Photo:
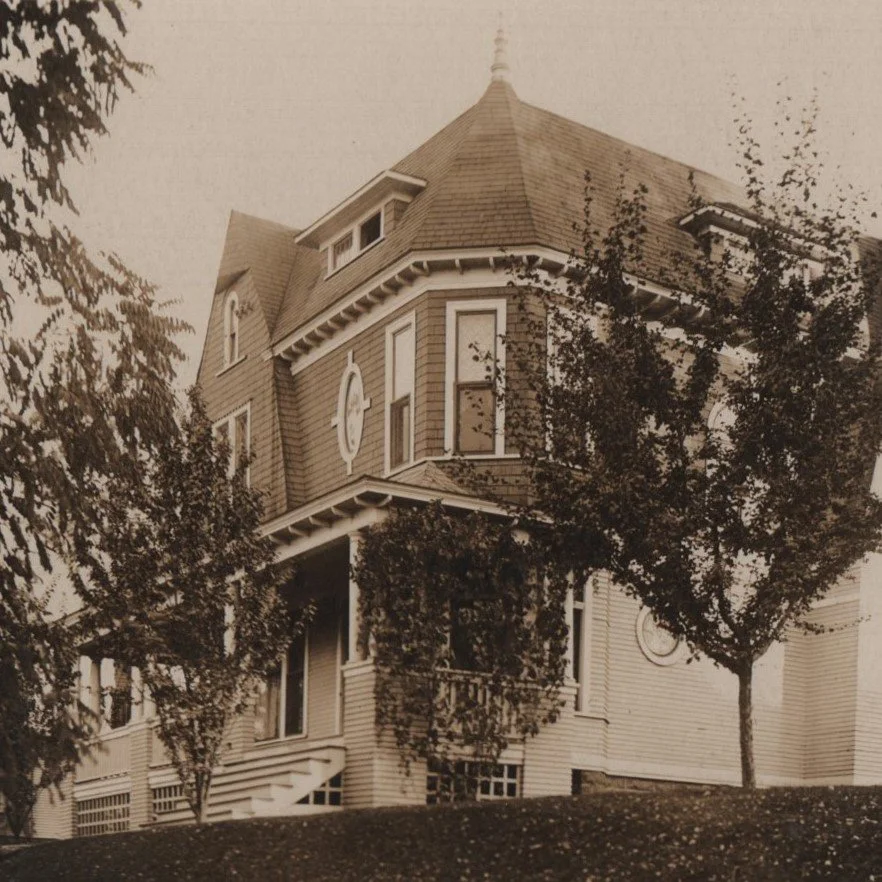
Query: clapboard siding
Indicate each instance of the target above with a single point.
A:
(250, 381)
(322, 664)
(53, 816)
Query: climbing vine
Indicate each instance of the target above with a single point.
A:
(467, 626)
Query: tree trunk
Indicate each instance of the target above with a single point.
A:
(745, 726)
(201, 785)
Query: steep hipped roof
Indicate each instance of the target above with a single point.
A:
(265, 248)
(504, 173)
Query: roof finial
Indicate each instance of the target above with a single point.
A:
(500, 70)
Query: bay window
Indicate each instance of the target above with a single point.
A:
(475, 349)
(400, 360)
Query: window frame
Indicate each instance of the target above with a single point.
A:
(580, 653)
(280, 734)
(232, 330)
(392, 330)
(229, 421)
(451, 386)
(355, 230)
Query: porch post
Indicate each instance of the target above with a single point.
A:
(106, 678)
(571, 646)
(354, 617)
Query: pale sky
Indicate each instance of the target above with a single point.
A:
(282, 108)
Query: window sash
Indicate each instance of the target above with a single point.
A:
(475, 430)
(400, 432)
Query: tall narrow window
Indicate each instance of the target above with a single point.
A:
(235, 430)
(295, 686)
(475, 351)
(120, 697)
(281, 701)
(400, 391)
(474, 397)
(342, 251)
(231, 330)
(578, 650)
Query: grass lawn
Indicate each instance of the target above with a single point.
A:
(714, 834)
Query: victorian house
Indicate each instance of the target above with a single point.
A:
(339, 354)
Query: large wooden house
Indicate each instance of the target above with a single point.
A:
(338, 354)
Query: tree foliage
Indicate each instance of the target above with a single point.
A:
(187, 593)
(467, 629)
(716, 458)
(86, 360)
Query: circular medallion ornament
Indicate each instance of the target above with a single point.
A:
(659, 645)
(349, 419)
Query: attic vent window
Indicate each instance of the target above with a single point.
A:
(342, 252)
(356, 240)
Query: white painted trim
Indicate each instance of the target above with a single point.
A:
(351, 373)
(230, 366)
(329, 534)
(389, 175)
(677, 654)
(353, 599)
(445, 280)
(454, 308)
(355, 230)
(392, 329)
(231, 317)
(230, 420)
(379, 486)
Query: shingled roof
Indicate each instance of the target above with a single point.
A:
(503, 174)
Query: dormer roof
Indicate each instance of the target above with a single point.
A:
(374, 193)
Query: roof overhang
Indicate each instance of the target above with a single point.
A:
(344, 506)
(384, 185)
(429, 270)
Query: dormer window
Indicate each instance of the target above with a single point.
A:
(231, 330)
(356, 240)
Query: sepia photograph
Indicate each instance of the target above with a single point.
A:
(440, 441)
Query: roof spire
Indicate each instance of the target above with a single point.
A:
(500, 70)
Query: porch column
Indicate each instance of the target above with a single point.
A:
(137, 696)
(107, 684)
(93, 685)
(571, 644)
(354, 616)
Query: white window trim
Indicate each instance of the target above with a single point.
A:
(283, 699)
(586, 603)
(231, 311)
(230, 421)
(355, 230)
(392, 329)
(283, 694)
(454, 307)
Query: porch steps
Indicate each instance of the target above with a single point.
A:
(267, 783)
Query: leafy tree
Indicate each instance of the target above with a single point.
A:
(715, 460)
(467, 630)
(188, 593)
(86, 361)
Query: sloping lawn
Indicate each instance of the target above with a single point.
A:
(782, 834)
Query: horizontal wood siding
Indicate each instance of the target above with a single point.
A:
(831, 691)
(321, 719)
(359, 729)
(108, 757)
(548, 769)
(251, 381)
(140, 808)
(53, 816)
(868, 734)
